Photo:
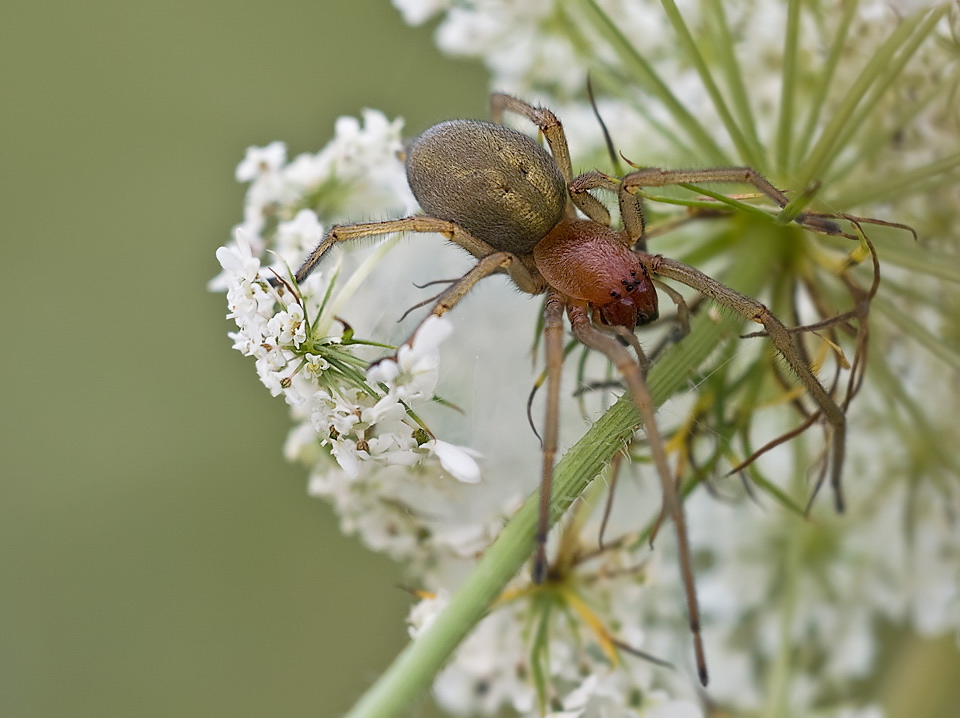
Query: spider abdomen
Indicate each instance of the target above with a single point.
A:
(496, 183)
(587, 261)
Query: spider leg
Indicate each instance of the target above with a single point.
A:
(419, 223)
(656, 177)
(450, 296)
(783, 340)
(631, 206)
(683, 311)
(553, 352)
(586, 202)
(615, 463)
(633, 376)
(544, 119)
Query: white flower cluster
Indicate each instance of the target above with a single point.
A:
(287, 202)
(355, 426)
(588, 669)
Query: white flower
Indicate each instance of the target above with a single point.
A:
(413, 375)
(457, 460)
(239, 259)
(425, 612)
(261, 161)
(288, 326)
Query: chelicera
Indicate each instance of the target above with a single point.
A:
(513, 205)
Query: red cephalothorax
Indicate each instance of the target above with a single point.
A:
(588, 261)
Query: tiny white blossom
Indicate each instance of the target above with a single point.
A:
(239, 259)
(425, 612)
(288, 326)
(413, 375)
(457, 460)
(261, 160)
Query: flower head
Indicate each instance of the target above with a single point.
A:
(848, 107)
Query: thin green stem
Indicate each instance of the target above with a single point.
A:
(646, 77)
(922, 261)
(787, 88)
(824, 82)
(723, 45)
(876, 70)
(692, 50)
(913, 329)
(891, 72)
(355, 282)
(915, 181)
(782, 668)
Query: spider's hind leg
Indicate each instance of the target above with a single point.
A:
(785, 344)
(553, 352)
(632, 375)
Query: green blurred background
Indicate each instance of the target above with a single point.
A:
(158, 557)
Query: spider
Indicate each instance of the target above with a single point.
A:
(505, 199)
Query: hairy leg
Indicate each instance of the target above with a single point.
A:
(544, 119)
(783, 340)
(631, 206)
(633, 376)
(553, 352)
(656, 177)
(419, 223)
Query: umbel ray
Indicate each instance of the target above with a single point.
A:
(517, 208)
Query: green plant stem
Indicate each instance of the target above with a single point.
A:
(646, 77)
(787, 121)
(779, 683)
(879, 72)
(723, 44)
(691, 48)
(416, 666)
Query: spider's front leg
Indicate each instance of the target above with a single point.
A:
(459, 288)
(419, 223)
(450, 296)
(656, 177)
(784, 342)
(489, 261)
(631, 207)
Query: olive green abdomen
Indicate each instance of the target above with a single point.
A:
(496, 183)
